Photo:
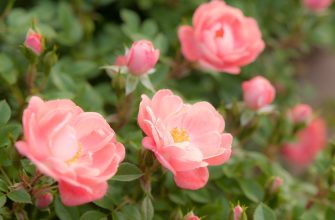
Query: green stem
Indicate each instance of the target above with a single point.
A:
(7, 9)
(6, 176)
(31, 76)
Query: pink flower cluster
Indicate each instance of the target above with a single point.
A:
(309, 141)
(317, 5)
(184, 138)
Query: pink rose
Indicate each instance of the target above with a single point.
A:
(140, 59)
(317, 5)
(258, 92)
(301, 113)
(221, 39)
(309, 142)
(191, 216)
(77, 149)
(34, 42)
(184, 138)
(238, 211)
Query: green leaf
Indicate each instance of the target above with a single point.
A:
(4, 112)
(131, 20)
(20, 196)
(71, 29)
(252, 190)
(65, 213)
(147, 209)
(3, 200)
(7, 71)
(9, 131)
(131, 83)
(127, 172)
(149, 28)
(3, 186)
(330, 214)
(263, 212)
(93, 215)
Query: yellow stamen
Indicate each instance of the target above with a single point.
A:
(76, 156)
(179, 135)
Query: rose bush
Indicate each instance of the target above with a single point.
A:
(155, 131)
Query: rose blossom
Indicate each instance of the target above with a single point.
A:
(317, 5)
(140, 58)
(77, 149)
(238, 211)
(184, 138)
(301, 113)
(258, 92)
(34, 42)
(309, 142)
(221, 39)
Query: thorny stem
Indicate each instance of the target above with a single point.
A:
(31, 76)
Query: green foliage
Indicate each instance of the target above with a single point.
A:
(80, 37)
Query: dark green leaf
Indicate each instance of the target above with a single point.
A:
(252, 190)
(147, 209)
(93, 215)
(4, 112)
(65, 213)
(20, 196)
(127, 172)
(3, 200)
(263, 212)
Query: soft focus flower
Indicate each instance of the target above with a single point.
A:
(34, 41)
(258, 92)
(191, 216)
(221, 39)
(43, 199)
(238, 211)
(276, 183)
(77, 149)
(309, 142)
(184, 138)
(140, 59)
(301, 113)
(317, 5)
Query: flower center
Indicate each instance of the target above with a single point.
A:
(179, 135)
(76, 156)
(219, 33)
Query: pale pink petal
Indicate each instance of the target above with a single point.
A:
(194, 179)
(75, 195)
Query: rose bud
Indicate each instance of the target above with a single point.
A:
(191, 216)
(43, 199)
(301, 113)
(258, 92)
(34, 41)
(276, 183)
(140, 59)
